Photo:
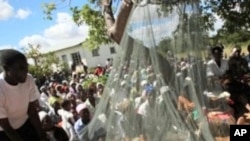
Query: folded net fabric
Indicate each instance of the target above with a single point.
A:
(155, 91)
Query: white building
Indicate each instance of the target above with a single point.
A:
(77, 53)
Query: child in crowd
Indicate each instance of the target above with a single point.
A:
(54, 132)
(68, 120)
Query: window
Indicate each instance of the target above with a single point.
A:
(112, 50)
(76, 58)
(95, 52)
(64, 59)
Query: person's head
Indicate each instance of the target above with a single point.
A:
(72, 84)
(248, 48)
(217, 53)
(46, 121)
(59, 88)
(43, 89)
(66, 105)
(237, 51)
(100, 87)
(71, 97)
(56, 105)
(83, 112)
(65, 83)
(150, 93)
(79, 88)
(15, 65)
(53, 91)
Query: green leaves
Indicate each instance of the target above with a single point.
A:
(48, 8)
(43, 62)
(101, 79)
(89, 14)
(93, 18)
(234, 12)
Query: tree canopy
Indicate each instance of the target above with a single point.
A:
(42, 62)
(99, 16)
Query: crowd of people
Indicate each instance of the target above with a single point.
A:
(227, 90)
(66, 108)
(66, 104)
(55, 111)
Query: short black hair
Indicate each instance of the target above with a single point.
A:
(65, 103)
(248, 47)
(216, 49)
(9, 56)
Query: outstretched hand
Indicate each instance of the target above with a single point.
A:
(127, 2)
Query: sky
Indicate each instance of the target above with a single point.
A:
(148, 27)
(22, 22)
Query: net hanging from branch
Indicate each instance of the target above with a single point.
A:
(157, 90)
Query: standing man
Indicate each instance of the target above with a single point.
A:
(19, 120)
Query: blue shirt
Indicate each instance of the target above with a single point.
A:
(78, 126)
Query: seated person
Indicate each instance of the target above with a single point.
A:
(216, 67)
(234, 81)
(84, 118)
(67, 119)
(54, 96)
(238, 66)
(99, 71)
(53, 132)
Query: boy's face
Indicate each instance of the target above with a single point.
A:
(85, 115)
(18, 71)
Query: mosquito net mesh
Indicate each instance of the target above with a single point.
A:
(158, 88)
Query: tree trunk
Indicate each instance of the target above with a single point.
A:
(115, 28)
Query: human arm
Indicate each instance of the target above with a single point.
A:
(9, 131)
(35, 121)
(33, 110)
(71, 121)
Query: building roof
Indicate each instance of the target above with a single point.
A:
(68, 47)
(61, 46)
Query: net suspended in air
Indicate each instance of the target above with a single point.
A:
(158, 90)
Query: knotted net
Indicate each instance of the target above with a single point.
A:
(158, 90)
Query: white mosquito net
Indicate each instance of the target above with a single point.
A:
(157, 90)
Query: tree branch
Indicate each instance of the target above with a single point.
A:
(115, 28)
(108, 13)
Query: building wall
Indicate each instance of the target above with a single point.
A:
(86, 54)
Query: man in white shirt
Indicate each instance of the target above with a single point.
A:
(19, 96)
(216, 67)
